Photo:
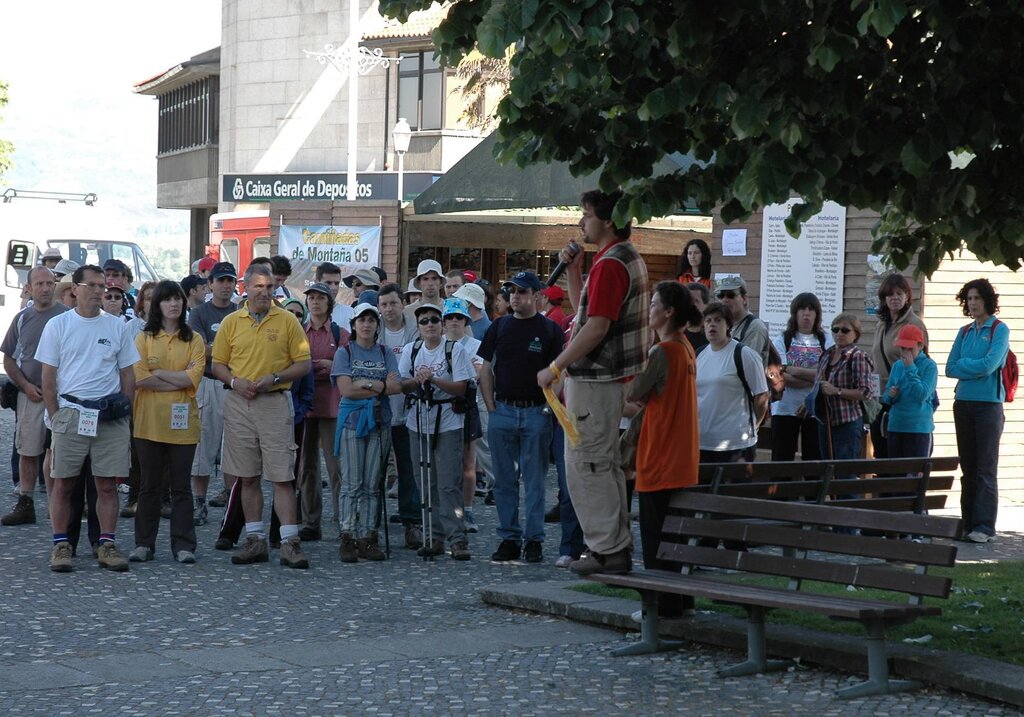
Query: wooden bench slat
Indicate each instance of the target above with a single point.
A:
(677, 528)
(879, 576)
(910, 523)
(769, 597)
(794, 470)
(808, 489)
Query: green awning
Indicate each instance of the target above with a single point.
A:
(478, 183)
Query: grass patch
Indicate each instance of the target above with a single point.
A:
(983, 616)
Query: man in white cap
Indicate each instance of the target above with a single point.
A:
(429, 278)
(473, 294)
(50, 257)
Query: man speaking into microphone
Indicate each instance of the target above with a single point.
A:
(608, 346)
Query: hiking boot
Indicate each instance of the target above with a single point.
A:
(291, 554)
(201, 515)
(24, 512)
(185, 557)
(470, 522)
(128, 511)
(349, 551)
(110, 558)
(254, 551)
(223, 544)
(554, 515)
(435, 546)
(489, 498)
(533, 553)
(369, 548)
(60, 558)
(219, 500)
(413, 536)
(307, 534)
(141, 554)
(618, 563)
(507, 550)
(460, 550)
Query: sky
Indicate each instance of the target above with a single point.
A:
(72, 116)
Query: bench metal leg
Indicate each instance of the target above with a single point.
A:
(757, 660)
(649, 640)
(878, 682)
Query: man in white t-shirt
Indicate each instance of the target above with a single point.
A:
(87, 359)
(435, 429)
(396, 335)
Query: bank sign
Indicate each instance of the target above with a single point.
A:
(321, 187)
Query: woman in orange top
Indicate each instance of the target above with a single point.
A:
(668, 449)
(694, 265)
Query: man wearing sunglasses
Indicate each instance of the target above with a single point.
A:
(746, 328)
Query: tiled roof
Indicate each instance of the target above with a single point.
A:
(420, 24)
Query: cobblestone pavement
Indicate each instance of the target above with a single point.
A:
(400, 637)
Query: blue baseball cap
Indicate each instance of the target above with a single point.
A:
(525, 280)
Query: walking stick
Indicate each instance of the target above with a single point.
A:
(383, 492)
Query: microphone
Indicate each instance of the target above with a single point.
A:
(560, 268)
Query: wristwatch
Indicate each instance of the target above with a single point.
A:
(277, 378)
(368, 385)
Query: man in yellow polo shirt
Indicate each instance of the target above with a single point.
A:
(259, 350)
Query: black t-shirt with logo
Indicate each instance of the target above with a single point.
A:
(518, 349)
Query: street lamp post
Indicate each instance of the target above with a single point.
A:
(401, 134)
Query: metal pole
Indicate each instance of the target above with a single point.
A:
(352, 188)
(401, 177)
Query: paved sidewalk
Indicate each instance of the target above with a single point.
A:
(402, 637)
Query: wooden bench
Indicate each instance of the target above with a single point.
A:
(792, 539)
(894, 484)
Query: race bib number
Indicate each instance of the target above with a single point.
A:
(179, 416)
(876, 385)
(88, 421)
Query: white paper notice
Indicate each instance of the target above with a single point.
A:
(815, 262)
(734, 242)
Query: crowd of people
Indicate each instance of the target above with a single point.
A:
(443, 391)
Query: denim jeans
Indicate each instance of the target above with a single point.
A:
(979, 427)
(519, 437)
(572, 534)
(409, 507)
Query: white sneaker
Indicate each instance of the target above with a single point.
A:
(185, 556)
(563, 561)
(976, 536)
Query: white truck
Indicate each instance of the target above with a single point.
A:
(33, 221)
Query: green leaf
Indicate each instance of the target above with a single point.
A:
(887, 15)
(912, 161)
(791, 136)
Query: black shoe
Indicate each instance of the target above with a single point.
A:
(165, 510)
(489, 498)
(218, 501)
(507, 550)
(554, 515)
(533, 552)
(307, 534)
(223, 544)
(395, 518)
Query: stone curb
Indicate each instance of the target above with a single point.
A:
(973, 675)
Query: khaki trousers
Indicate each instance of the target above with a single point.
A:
(596, 482)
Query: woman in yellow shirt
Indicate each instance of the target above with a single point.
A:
(166, 416)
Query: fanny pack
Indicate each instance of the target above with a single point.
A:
(112, 408)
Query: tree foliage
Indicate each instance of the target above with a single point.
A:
(6, 148)
(859, 101)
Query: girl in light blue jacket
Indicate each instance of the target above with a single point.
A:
(909, 392)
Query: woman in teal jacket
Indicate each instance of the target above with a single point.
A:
(976, 359)
(909, 394)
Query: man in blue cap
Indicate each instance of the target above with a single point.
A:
(514, 349)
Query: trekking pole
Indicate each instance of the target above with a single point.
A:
(425, 500)
(383, 493)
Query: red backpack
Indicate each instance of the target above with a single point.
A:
(1009, 373)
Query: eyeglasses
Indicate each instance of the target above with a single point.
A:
(96, 286)
(429, 320)
(726, 294)
(841, 330)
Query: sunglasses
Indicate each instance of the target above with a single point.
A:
(517, 290)
(112, 297)
(842, 330)
(726, 294)
(429, 320)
